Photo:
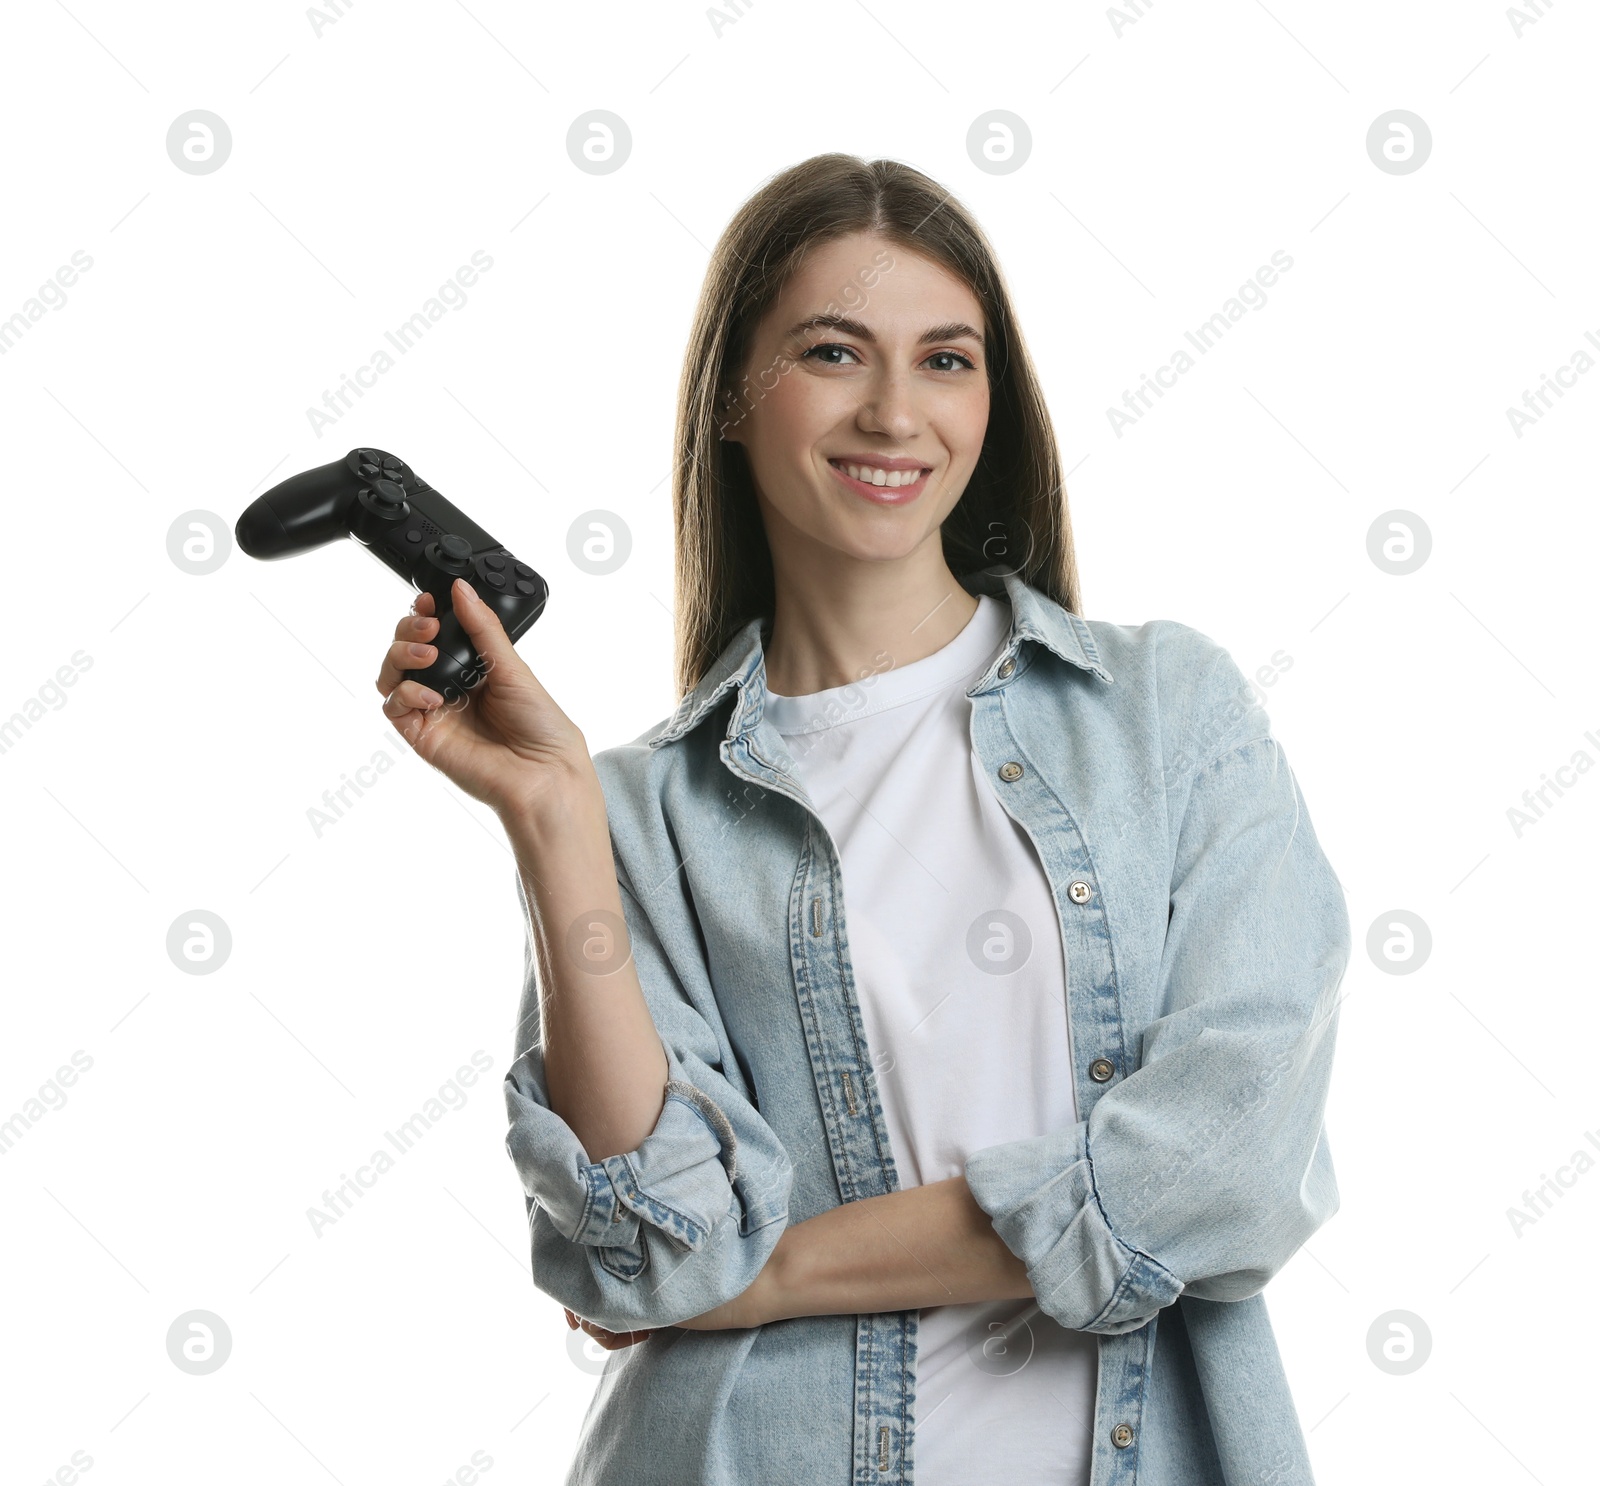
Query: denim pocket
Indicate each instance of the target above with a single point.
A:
(625, 1261)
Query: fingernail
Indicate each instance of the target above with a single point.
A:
(466, 590)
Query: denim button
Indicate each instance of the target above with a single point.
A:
(1006, 668)
(1101, 1069)
(1079, 891)
(1011, 772)
(1122, 1436)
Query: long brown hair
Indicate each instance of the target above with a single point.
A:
(1014, 508)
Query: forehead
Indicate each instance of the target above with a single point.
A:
(881, 283)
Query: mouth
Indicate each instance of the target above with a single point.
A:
(883, 487)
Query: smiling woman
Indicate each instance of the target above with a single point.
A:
(862, 449)
(986, 1185)
(803, 317)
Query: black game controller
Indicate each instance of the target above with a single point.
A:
(413, 530)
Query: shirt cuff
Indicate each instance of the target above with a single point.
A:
(677, 1180)
(1040, 1195)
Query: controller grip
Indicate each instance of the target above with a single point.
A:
(457, 668)
(305, 511)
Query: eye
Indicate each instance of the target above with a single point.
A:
(954, 356)
(827, 346)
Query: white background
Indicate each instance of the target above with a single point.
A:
(1171, 156)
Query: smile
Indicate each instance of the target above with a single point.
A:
(886, 487)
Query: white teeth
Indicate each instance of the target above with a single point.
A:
(871, 475)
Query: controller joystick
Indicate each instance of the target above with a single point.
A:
(414, 531)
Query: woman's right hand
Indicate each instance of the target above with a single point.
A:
(505, 742)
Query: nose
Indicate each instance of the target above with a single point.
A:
(890, 407)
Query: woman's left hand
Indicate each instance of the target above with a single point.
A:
(612, 1341)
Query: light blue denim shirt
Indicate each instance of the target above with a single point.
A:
(1206, 939)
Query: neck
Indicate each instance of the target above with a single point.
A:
(837, 619)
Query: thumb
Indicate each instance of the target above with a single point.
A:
(482, 624)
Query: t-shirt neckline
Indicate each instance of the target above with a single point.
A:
(964, 658)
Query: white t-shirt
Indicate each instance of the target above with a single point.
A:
(961, 976)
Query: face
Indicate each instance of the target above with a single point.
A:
(864, 402)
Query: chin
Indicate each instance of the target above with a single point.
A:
(877, 547)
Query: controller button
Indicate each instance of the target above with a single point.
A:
(526, 585)
(457, 549)
(369, 469)
(369, 455)
(413, 535)
(523, 570)
(386, 493)
(494, 562)
(495, 580)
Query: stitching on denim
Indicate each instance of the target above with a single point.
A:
(806, 990)
(1137, 1254)
(1086, 640)
(586, 1175)
(904, 1323)
(1105, 916)
(1133, 1279)
(1226, 743)
(630, 1177)
(690, 712)
(624, 1271)
(857, 1028)
(704, 1106)
(1116, 1296)
(1192, 723)
(1149, 1367)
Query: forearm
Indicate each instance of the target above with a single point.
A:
(605, 1070)
(923, 1246)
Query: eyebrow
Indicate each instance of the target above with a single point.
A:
(954, 330)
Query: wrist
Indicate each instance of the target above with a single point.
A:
(553, 797)
(781, 1281)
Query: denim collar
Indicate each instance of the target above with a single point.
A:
(742, 664)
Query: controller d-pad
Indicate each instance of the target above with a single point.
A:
(374, 462)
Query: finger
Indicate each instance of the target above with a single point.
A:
(612, 1341)
(482, 625)
(410, 696)
(572, 1320)
(417, 626)
(422, 603)
(403, 656)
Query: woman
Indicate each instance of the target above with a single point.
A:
(987, 1188)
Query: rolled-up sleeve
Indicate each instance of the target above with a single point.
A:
(1206, 1168)
(675, 1227)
